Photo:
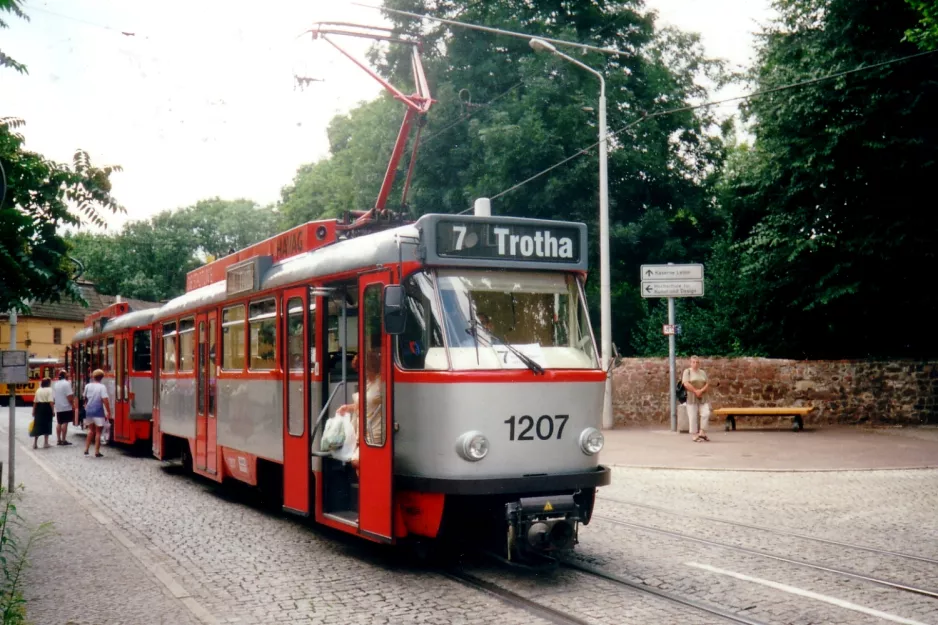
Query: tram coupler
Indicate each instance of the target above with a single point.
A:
(542, 524)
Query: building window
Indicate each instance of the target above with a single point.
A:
(262, 324)
(232, 338)
(57, 336)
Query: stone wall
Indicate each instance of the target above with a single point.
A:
(844, 392)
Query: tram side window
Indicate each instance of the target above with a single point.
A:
(422, 330)
(186, 343)
(109, 359)
(232, 339)
(142, 350)
(169, 347)
(262, 326)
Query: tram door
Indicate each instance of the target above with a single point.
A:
(121, 388)
(156, 356)
(374, 409)
(205, 412)
(299, 368)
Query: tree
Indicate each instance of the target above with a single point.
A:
(505, 114)
(33, 256)
(11, 6)
(925, 34)
(834, 247)
(149, 259)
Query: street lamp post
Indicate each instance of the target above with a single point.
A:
(605, 301)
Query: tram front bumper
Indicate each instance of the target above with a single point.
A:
(543, 524)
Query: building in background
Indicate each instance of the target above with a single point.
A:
(50, 326)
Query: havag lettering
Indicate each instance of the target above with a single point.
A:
(542, 244)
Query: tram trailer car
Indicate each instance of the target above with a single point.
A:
(482, 396)
(38, 369)
(117, 340)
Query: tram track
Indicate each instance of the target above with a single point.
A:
(559, 617)
(933, 594)
(772, 530)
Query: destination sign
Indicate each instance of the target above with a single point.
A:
(501, 242)
(508, 241)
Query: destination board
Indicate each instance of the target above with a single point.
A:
(504, 241)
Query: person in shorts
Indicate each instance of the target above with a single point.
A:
(64, 407)
(97, 411)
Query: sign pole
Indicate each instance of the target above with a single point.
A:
(11, 445)
(671, 367)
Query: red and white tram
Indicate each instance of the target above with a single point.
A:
(483, 388)
(117, 340)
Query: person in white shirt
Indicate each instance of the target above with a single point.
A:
(64, 407)
(97, 411)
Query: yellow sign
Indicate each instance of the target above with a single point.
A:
(548, 507)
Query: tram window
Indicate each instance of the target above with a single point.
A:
(142, 350)
(232, 341)
(262, 326)
(422, 330)
(371, 363)
(186, 343)
(169, 347)
(294, 378)
(109, 362)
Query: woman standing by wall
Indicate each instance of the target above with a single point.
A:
(697, 383)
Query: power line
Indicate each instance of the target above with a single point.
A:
(693, 107)
(497, 31)
(479, 107)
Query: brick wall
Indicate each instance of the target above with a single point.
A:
(844, 392)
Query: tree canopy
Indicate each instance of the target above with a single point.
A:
(505, 113)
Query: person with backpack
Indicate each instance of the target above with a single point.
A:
(696, 383)
(97, 411)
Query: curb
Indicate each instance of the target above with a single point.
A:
(750, 470)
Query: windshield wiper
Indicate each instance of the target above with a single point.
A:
(529, 362)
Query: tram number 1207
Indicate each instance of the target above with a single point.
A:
(544, 428)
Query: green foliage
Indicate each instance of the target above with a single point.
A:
(33, 256)
(16, 541)
(11, 6)
(925, 34)
(505, 113)
(149, 259)
(833, 249)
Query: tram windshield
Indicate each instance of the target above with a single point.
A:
(505, 320)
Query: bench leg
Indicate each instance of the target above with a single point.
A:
(797, 424)
(730, 423)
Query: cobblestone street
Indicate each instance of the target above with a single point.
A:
(159, 547)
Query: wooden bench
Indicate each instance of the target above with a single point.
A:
(796, 412)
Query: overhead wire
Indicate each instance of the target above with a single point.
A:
(479, 107)
(692, 107)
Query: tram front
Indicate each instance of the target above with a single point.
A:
(498, 388)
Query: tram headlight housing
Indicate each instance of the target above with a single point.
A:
(591, 441)
(472, 446)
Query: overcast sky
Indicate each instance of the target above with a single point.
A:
(197, 98)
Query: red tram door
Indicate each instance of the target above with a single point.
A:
(121, 425)
(156, 351)
(298, 324)
(206, 424)
(374, 410)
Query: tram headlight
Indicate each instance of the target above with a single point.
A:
(472, 446)
(591, 441)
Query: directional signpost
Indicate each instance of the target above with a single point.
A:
(672, 281)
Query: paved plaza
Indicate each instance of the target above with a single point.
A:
(136, 542)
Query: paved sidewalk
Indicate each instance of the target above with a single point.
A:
(83, 573)
(829, 449)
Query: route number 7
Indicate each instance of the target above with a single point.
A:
(461, 235)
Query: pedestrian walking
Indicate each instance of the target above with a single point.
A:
(97, 411)
(43, 412)
(64, 407)
(697, 383)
